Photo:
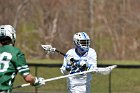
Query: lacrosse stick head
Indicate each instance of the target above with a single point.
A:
(109, 69)
(48, 49)
(113, 66)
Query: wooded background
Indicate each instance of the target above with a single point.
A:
(113, 26)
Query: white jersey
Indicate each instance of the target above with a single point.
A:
(81, 81)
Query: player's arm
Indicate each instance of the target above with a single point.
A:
(65, 67)
(24, 71)
(35, 81)
(92, 60)
(67, 63)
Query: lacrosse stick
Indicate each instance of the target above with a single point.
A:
(49, 49)
(96, 70)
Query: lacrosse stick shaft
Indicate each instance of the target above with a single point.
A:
(60, 52)
(97, 70)
(55, 78)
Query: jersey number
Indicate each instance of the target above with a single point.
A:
(4, 61)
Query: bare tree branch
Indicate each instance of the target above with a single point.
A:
(19, 10)
(91, 15)
(54, 27)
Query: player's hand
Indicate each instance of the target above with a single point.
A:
(39, 81)
(68, 68)
(81, 64)
(69, 59)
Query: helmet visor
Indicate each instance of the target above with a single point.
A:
(85, 43)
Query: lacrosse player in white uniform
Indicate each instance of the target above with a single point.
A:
(78, 59)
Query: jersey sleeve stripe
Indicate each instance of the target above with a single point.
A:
(21, 70)
(22, 67)
(24, 74)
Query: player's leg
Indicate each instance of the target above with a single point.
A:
(88, 87)
(77, 89)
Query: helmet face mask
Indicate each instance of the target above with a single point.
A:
(81, 41)
(8, 31)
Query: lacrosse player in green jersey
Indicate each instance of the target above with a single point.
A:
(12, 61)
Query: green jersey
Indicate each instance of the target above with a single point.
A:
(12, 60)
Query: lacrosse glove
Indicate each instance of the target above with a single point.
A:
(39, 81)
(68, 67)
(83, 65)
(69, 59)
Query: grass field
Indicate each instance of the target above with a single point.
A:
(122, 80)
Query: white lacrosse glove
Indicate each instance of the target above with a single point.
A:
(39, 81)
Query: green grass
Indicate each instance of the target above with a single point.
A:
(123, 80)
(123, 62)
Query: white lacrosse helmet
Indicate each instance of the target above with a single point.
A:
(81, 41)
(8, 30)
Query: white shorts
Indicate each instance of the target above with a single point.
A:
(79, 89)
